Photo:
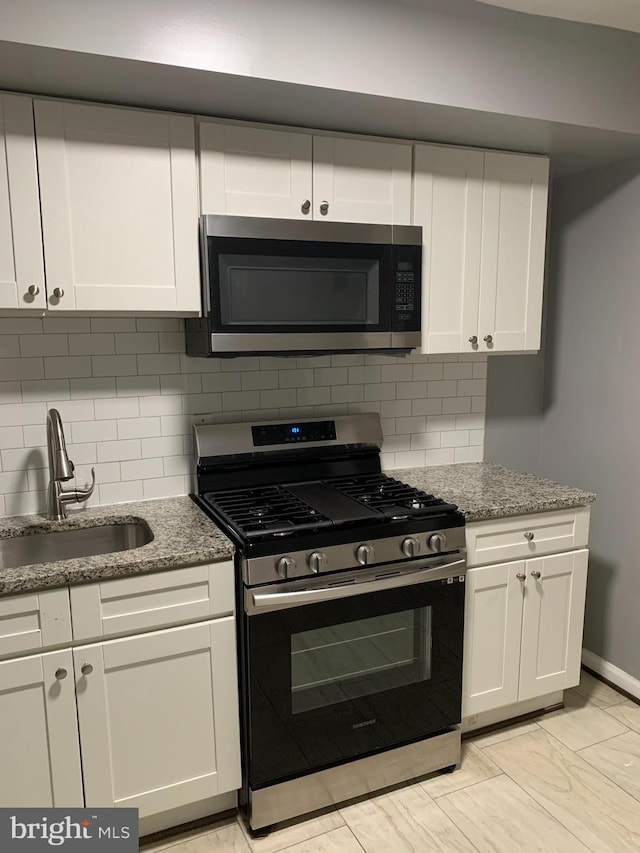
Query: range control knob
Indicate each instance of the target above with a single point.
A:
(410, 547)
(284, 566)
(317, 562)
(438, 542)
(364, 554)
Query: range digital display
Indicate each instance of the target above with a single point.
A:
(293, 433)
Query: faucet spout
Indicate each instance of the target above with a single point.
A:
(61, 469)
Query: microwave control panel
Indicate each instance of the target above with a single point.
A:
(405, 293)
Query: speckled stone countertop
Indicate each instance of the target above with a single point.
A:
(182, 536)
(483, 490)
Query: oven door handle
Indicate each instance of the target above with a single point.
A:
(265, 602)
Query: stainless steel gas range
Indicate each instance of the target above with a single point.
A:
(350, 593)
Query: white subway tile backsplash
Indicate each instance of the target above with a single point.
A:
(67, 367)
(11, 437)
(21, 368)
(10, 392)
(34, 345)
(128, 396)
(137, 342)
(18, 414)
(116, 407)
(92, 344)
(140, 469)
(92, 388)
(112, 451)
(139, 428)
(9, 346)
(45, 390)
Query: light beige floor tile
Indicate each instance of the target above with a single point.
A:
(628, 713)
(597, 691)
(619, 760)
(404, 821)
(337, 841)
(499, 817)
(294, 832)
(580, 724)
(594, 809)
(231, 839)
(475, 767)
(505, 733)
(187, 835)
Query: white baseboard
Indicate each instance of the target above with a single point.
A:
(612, 673)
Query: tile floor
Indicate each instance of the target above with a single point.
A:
(564, 783)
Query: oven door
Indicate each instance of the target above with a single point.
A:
(338, 672)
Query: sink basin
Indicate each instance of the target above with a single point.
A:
(71, 544)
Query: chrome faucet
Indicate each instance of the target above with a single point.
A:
(60, 470)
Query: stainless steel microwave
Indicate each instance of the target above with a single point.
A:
(290, 286)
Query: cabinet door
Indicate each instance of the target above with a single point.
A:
(39, 754)
(119, 208)
(158, 717)
(513, 246)
(493, 623)
(447, 203)
(21, 266)
(361, 181)
(254, 171)
(552, 623)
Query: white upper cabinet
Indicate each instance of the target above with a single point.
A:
(254, 171)
(360, 180)
(513, 246)
(448, 205)
(483, 216)
(119, 208)
(21, 267)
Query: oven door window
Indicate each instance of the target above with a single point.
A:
(292, 286)
(333, 681)
(354, 659)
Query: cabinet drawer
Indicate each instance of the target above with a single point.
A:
(115, 607)
(36, 620)
(506, 539)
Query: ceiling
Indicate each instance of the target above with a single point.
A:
(621, 14)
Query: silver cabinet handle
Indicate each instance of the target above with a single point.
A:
(528, 536)
(324, 207)
(58, 292)
(86, 669)
(488, 339)
(535, 575)
(473, 340)
(306, 206)
(521, 577)
(33, 290)
(61, 673)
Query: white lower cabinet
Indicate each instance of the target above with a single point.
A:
(158, 717)
(149, 720)
(523, 630)
(39, 751)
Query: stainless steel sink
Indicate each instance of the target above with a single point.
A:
(54, 545)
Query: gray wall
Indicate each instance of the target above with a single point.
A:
(454, 52)
(590, 434)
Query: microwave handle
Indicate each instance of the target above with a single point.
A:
(259, 602)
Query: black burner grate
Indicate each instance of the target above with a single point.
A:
(390, 497)
(265, 510)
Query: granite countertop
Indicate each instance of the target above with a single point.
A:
(483, 490)
(183, 536)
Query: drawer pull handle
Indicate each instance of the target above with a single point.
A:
(324, 207)
(521, 576)
(473, 340)
(86, 669)
(528, 536)
(535, 575)
(61, 673)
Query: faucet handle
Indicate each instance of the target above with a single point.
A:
(81, 495)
